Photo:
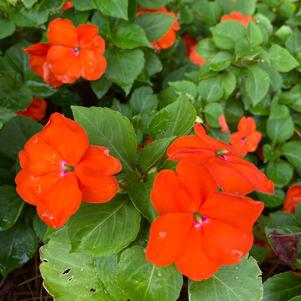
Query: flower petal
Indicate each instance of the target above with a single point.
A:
(194, 262)
(246, 125)
(64, 64)
(86, 34)
(253, 141)
(168, 235)
(60, 202)
(62, 32)
(67, 137)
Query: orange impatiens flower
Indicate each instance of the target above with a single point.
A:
(237, 16)
(67, 5)
(191, 51)
(230, 172)
(72, 52)
(293, 198)
(169, 38)
(36, 109)
(60, 169)
(246, 139)
(198, 228)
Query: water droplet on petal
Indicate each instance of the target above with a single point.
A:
(162, 234)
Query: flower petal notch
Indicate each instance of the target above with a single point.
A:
(60, 169)
(198, 228)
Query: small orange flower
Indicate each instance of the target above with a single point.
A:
(191, 51)
(237, 16)
(169, 38)
(198, 228)
(37, 60)
(36, 110)
(293, 198)
(230, 172)
(246, 139)
(67, 5)
(223, 124)
(60, 169)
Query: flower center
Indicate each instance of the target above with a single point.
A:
(199, 219)
(76, 51)
(243, 140)
(222, 154)
(65, 168)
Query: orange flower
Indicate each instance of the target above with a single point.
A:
(67, 5)
(36, 110)
(293, 198)
(246, 139)
(237, 16)
(198, 228)
(75, 51)
(37, 60)
(223, 124)
(169, 38)
(230, 172)
(60, 169)
(191, 51)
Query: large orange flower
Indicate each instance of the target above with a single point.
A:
(237, 16)
(36, 109)
(246, 139)
(191, 52)
(198, 228)
(293, 198)
(169, 38)
(75, 51)
(38, 63)
(60, 169)
(230, 172)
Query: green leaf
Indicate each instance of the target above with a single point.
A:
(208, 12)
(257, 84)
(153, 153)
(254, 35)
(175, 119)
(83, 5)
(220, 61)
(226, 34)
(274, 200)
(282, 287)
(143, 99)
(240, 282)
(17, 246)
(212, 112)
(155, 25)
(211, 89)
(10, 207)
(101, 87)
(143, 281)
(293, 43)
(39, 89)
(109, 128)
(280, 172)
(130, 36)
(7, 28)
(104, 229)
(139, 192)
(246, 7)
(33, 17)
(297, 298)
(29, 3)
(291, 151)
(229, 82)
(281, 59)
(292, 98)
(113, 8)
(152, 4)
(124, 66)
(15, 134)
(70, 275)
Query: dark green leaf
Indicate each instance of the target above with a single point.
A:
(113, 8)
(7, 28)
(143, 99)
(292, 150)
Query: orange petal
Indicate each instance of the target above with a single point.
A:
(253, 141)
(62, 32)
(41, 158)
(97, 188)
(60, 202)
(32, 188)
(93, 65)
(98, 160)
(246, 125)
(224, 243)
(67, 137)
(64, 64)
(239, 211)
(293, 198)
(168, 235)
(49, 78)
(194, 262)
(86, 34)
(166, 41)
(36, 109)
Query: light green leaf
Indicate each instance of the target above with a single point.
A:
(212, 113)
(151, 4)
(113, 8)
(280, 172)
(240, 282)
(211, 89)
(109, 128)
(291, 151)
(7, 28)
(143, 99)
(143, 281)
(104, 229)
